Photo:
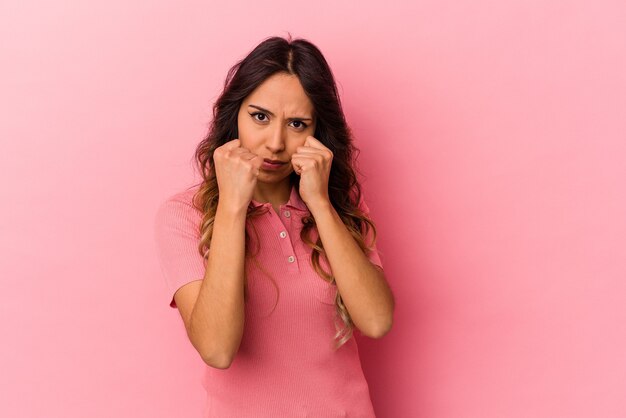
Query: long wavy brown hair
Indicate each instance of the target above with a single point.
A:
(301, 58)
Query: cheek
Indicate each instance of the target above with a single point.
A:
(300, 140)
(244, 124)
(293, 148)
(246, 134)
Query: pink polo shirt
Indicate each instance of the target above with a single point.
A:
(285, 366)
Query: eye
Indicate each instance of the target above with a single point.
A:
(262, 115)
(299, 124)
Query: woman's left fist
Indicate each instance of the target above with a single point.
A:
(312, 163)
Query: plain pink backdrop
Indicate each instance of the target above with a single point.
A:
(493, 144)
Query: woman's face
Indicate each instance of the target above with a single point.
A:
(274, 120)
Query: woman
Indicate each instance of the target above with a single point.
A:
(271, 259)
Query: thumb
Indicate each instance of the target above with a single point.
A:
(234, 143)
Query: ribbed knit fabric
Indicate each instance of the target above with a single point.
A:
(286, 365)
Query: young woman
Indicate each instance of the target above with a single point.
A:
(271, 259)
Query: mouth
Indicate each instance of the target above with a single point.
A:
(276, 162)
(273, 165)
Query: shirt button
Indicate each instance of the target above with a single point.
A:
(283, 234)
(291, 259)
(287, 214)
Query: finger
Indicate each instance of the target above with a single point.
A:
(238, 152)
(255, 160)
(299, 163)
(233, 144)
(246, 155)
(313, 142)
(296, 168)
(304, 158)
(308, 150)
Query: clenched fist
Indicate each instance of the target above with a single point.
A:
(237, 170)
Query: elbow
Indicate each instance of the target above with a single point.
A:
(382, 331)
(379, 327)
(211, 352)
(213, 355)
(217, 361)
(379, 330)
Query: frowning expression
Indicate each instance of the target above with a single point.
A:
(274, 120)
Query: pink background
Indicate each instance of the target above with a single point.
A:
(493, 139)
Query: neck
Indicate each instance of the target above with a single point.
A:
(276, 194)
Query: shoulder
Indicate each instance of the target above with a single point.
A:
(181, 198)
(178, 206)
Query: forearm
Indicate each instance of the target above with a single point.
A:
(217, 319)
(362, 285)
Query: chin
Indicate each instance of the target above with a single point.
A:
(269, 178)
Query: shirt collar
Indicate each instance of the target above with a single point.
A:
(294, 202)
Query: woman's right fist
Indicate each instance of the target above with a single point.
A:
(236, 169)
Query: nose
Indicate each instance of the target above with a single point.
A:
(276, 139)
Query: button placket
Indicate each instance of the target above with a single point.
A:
(284, 240)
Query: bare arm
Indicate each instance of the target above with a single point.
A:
(213, 309)
(362, 284)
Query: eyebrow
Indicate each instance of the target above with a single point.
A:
(272, 114)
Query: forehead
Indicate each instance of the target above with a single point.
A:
(281, 93)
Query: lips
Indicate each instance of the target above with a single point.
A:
(267, 160)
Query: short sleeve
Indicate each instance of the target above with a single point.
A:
(176, 232)
(373, 255)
